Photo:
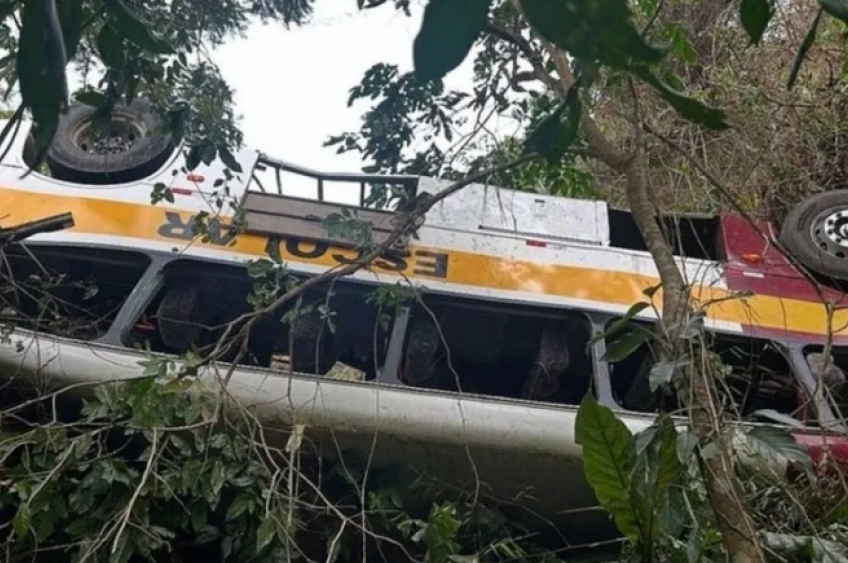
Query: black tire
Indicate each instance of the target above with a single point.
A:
(71, 156)
(816, 233)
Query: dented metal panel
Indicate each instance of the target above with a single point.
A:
(484, 208)
(284, 216)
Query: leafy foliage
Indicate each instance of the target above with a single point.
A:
(448, 32)
(151, 471)
(140, 48)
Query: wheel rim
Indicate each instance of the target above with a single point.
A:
(120, 136)
(830, 232)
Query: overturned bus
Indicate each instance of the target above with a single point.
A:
(476, 377)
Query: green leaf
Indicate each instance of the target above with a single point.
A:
(686, 444)
(111, 47)
(755, 16)
(808, 41)
(663, 372)
(258, 268)
(592, 30)
(618, 325)
(124, 551)
(836, 8)
(71, 15)
(265, 533)
(135, 30)
(687, 107)
(552, 137)
(694, 326)
(694, 546)
(22, 521)
(626, 344)
(239, 506)
(40, 68)
(806, 547)
(778, 444)
(228, 159)
(193, 157)
(655, 470)
(607, 444)
(448, 31)
(92, 98)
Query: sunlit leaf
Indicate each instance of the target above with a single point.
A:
(448, 31)
(607, 444)
(755, 16)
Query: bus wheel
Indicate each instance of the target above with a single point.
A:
(816, 233)
(132, 147)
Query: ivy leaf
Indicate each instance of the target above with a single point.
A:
(755, 16)
(135, 30)
(607, 445)
(448, 31)
(690, 108)
(592, 30)
(808, 41)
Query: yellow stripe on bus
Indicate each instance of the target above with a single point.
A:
(106, 217)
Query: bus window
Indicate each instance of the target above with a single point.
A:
(198, 301)
(833, 372)
(459, 345)
(760, 378)
(757, 377)
(75, 292)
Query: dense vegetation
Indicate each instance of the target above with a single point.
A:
(744, 109)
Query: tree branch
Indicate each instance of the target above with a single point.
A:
(405, 223)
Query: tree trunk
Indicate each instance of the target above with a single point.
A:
(734, 522)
